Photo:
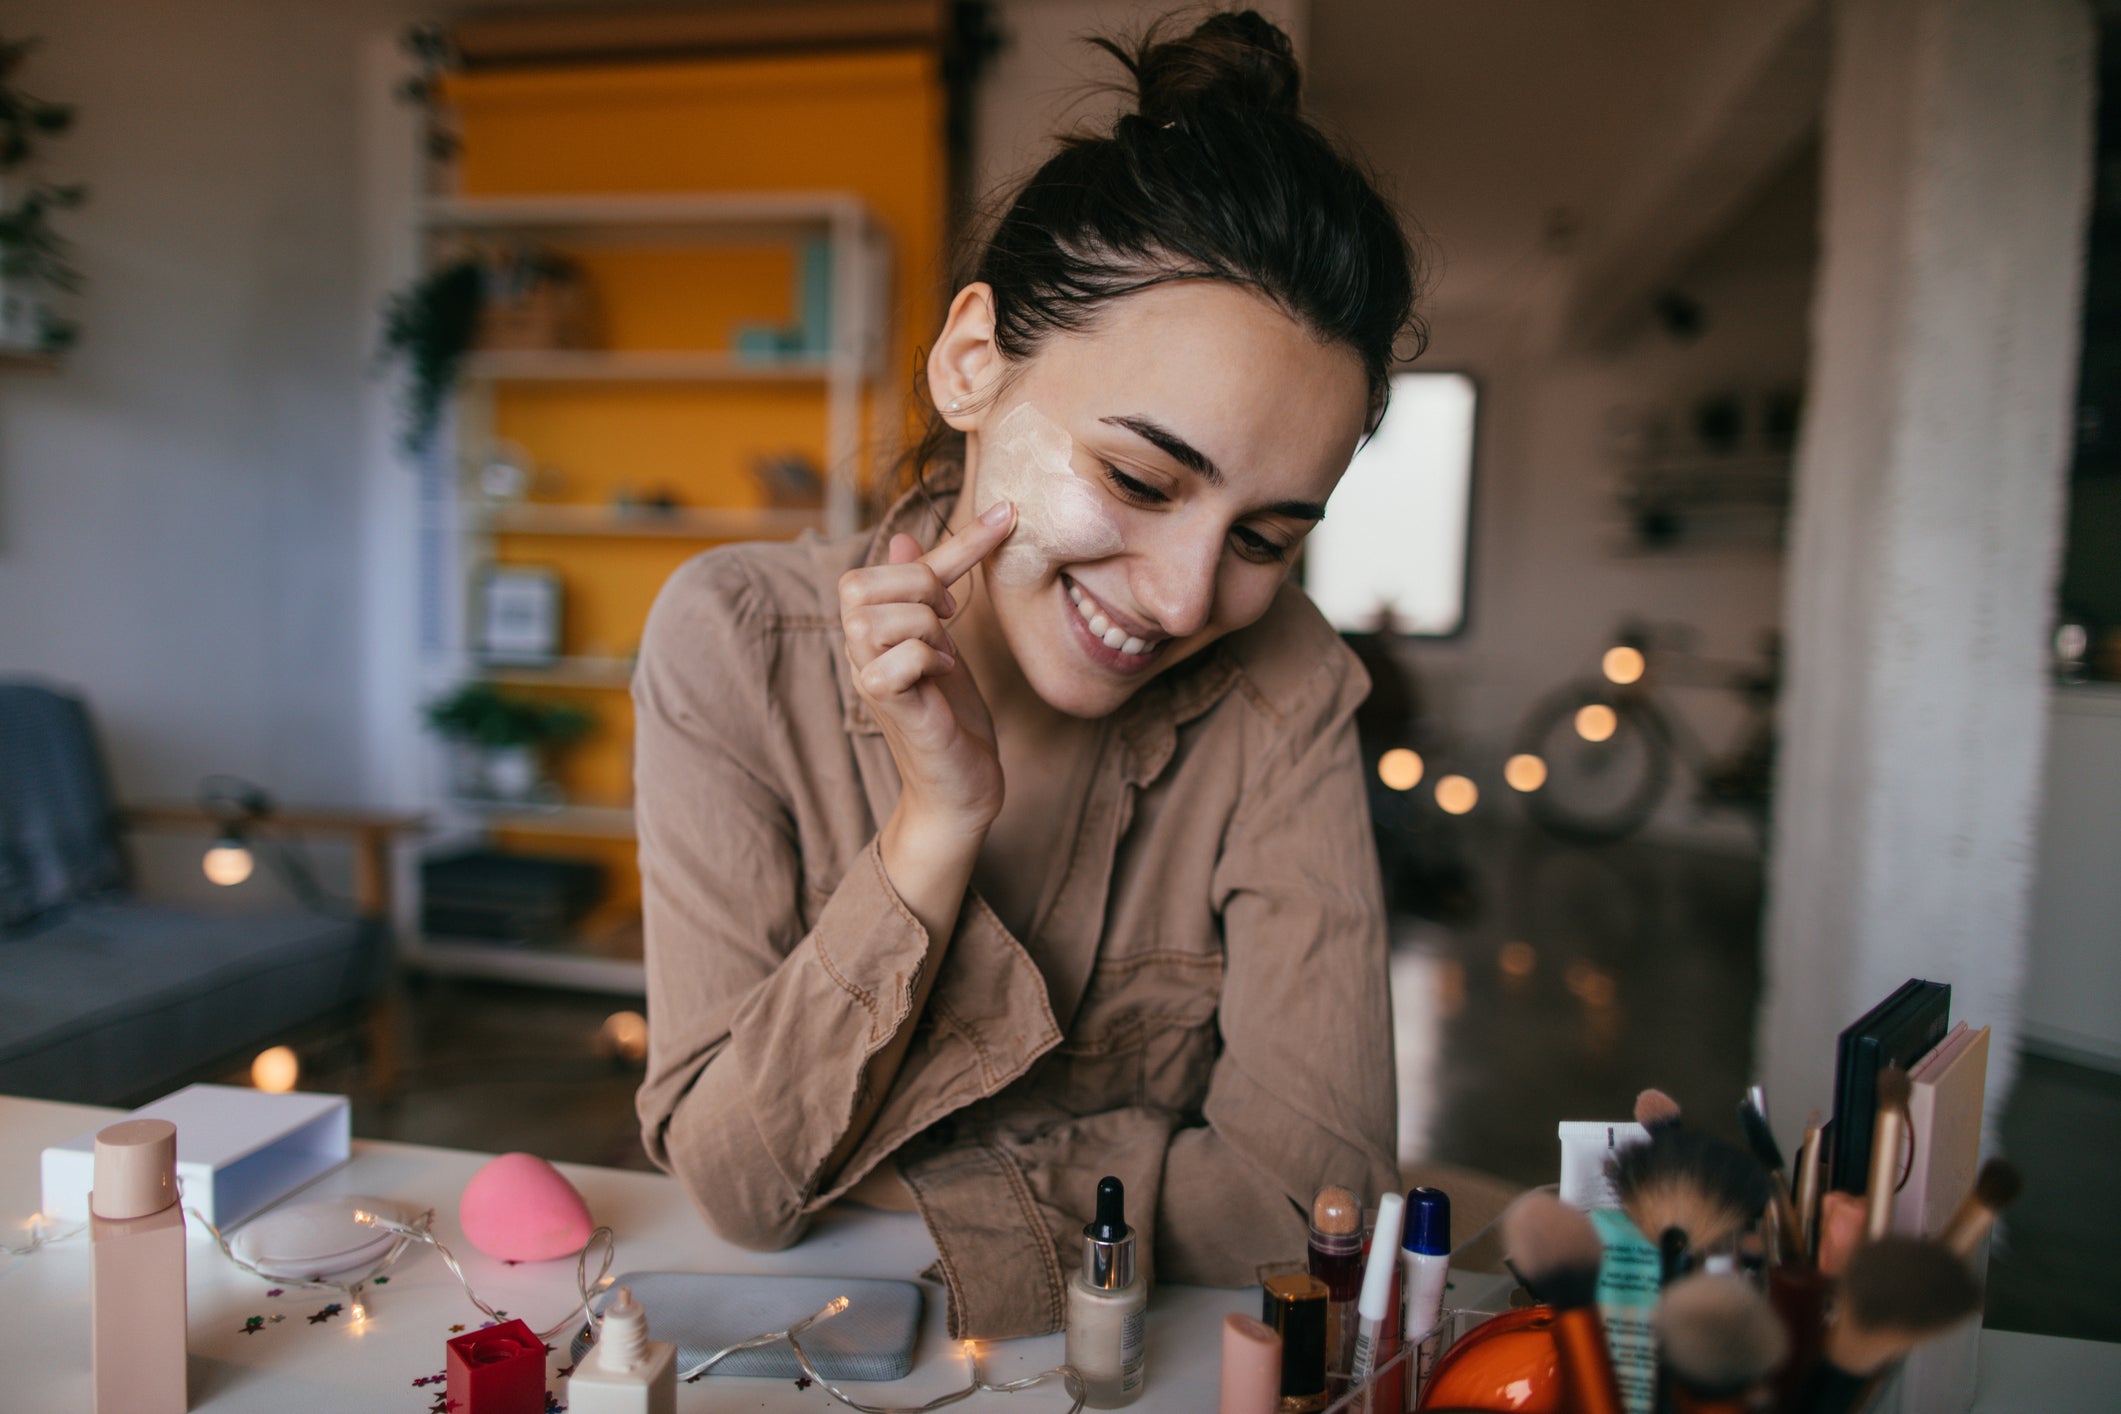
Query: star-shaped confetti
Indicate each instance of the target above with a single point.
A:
(553, 1405)
(277, 1291)
(276, 1320)
(802, 1381)
(565, 1371)
(382, 1281)
(252, 1325)
(456, 1330)
(326, 1314)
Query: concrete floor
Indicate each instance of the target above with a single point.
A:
(1560, 982)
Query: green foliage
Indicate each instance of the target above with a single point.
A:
(431, 326)
(30, 250)
(480, 714)
(32, 254)
(24, 119)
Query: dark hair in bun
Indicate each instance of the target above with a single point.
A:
(1215, 175)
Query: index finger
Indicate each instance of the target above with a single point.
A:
(957, 553)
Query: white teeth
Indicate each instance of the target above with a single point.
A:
(1112, 634)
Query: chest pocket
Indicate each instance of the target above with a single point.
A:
(1144, 1035)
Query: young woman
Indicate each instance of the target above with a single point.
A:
(1024, 841)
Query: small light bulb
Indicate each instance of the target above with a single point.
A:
(227, 864)
(1525, 772)
(360, 1313)
(1455, 795)
(1399, 768)
(1623, 665)
(276, 1070)
(625, 1035)
(1596, 722)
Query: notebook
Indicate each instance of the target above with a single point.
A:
(1948, 1089)
(1898, 1031)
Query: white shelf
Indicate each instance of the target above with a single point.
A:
(685, 523)
(561, 818)
(575, 966)
(633, 219)
(642, 366)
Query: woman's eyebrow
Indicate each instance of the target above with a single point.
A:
(1187, 455)
(1171, 445)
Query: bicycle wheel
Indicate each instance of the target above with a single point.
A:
(1595, 791)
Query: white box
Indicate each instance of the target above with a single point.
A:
(238, 1151)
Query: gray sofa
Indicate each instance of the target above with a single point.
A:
(107, 998)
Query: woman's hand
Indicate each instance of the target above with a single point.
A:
(908, 671)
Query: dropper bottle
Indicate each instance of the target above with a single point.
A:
(1108, 1306)
(625, 1372)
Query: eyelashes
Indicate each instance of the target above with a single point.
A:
(1250, 543)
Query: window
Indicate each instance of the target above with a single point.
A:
(1396, 529)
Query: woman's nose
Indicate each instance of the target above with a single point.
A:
(1175, 579)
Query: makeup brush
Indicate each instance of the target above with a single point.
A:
(1709, 1190)
(1887, 1133)
(1809, 1161)
(1556, 1252)
(1760, 1138)
(1898, 1292)
(1840, 1230)
(1720, 1339)
(1994, 1190)
(1655, 1110)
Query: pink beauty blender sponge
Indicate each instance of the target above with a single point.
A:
(517, 1208)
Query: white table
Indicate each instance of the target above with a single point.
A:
(327, 1367)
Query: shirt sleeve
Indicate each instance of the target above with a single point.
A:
(761, 1030)
(1304, 1093)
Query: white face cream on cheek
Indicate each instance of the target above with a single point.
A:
(1060, 518)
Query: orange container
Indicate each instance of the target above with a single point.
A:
(1508, 1363)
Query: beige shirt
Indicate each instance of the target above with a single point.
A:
(1200, 1005)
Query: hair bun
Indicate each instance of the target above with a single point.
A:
(1237, 59)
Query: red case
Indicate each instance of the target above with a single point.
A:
(497, 1370)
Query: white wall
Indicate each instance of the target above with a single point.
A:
(2072, 999)
(180, 505)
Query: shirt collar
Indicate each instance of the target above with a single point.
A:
(1149, 721)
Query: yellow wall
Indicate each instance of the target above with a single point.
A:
(868, 123)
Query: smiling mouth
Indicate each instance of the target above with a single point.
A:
(1103, 629)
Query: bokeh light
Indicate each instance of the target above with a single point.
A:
(1455, 795)
(1596, 722)
(1517, 960)
(625, 1035)
(1400, 768)
(1525, 772)
(227, 864)
(1593, 987)
(1623, 665)
(276, 1070)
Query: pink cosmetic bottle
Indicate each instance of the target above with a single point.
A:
(136, 1232)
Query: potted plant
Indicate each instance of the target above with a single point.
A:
(33, 256)
(432, 325)
(502, 739)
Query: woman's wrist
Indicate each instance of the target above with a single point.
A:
(929, 862)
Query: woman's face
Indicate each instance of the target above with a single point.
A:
(1204, 430)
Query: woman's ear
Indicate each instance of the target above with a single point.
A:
(965, 364)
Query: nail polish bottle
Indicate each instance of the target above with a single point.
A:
(625, 1372)
(1108, 1306)
(136, 1232)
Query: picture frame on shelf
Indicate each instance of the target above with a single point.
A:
(517, 619)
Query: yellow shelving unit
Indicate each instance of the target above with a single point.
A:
(683, 191)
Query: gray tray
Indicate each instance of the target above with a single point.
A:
(872, 1340)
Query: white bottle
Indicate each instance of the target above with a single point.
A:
(1108, 1306)
(136, 1281)
(625, 1372)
